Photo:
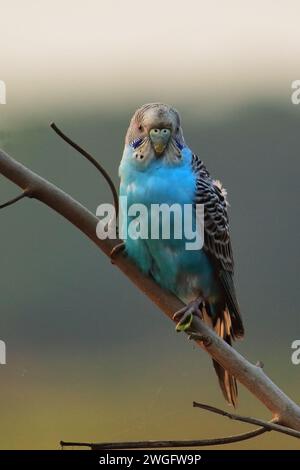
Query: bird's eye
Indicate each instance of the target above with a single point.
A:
(140, 128)
(177, 129)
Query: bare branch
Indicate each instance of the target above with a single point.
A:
(167, 444)
(93, 161)
(15, 199)
(283, 409)
(268, 425)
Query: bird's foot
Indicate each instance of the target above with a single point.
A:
(116, 250)
(186, 314)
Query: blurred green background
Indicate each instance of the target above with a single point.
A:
(89, 358)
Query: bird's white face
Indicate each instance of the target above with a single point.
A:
(155, 133)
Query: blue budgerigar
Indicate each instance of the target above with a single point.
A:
(157, 167)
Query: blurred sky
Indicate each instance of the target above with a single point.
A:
(89, 357)
(91, 52)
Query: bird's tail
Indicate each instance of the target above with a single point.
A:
(224, 327)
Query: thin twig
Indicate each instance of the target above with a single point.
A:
(269, 425)
(15, 199)
(168, 444)
(93, 161)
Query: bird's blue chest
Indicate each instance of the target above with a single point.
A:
(161, 185)
(167, 259)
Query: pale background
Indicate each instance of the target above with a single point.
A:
(228, 67)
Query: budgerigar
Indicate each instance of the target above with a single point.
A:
(158, 167)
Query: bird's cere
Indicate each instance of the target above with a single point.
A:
(160, 139)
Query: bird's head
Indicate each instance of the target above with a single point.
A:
(155, 133)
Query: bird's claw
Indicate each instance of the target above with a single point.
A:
(116, 250)
(187, 313)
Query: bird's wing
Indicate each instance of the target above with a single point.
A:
(216, 226)
(217, 243)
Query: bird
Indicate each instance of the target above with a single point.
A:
(158, 167)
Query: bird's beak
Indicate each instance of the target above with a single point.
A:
(160, 139)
